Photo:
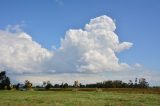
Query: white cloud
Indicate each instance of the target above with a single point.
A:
(137, 65)
(20, 54)
(92, 49)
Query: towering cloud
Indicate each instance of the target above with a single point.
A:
(92, 49)
(89, 50)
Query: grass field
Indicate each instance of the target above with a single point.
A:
(77, 98)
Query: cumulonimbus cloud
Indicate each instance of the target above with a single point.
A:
(88, 50)
(92, 49)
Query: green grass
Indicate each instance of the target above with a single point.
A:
(77, 98)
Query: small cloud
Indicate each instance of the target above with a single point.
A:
(15, 28)
(137, 65)
(54, 47)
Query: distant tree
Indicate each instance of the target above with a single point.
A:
(136, 84)
(136, 79)
(38, 86)
(17, 86)
(130, 84)
(143, 83)
(124, 85)
(4, 81)
(117, 84)
(27, 84)
(108, 84)
(56, 86)
(61, 86)
(81, 85)
(65, 85)
(99, 85)
(91, 85)
(48, 85)
(44, 83)
(76, 84)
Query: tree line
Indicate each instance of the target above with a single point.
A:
(137, 83)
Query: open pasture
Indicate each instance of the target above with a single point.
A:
(79, 98)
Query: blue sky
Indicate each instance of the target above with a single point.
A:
(47, 21)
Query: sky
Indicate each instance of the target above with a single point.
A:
(91, 40)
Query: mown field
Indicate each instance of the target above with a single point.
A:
(111, 97)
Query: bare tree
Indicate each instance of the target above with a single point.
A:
(27, 84)
(76, 84)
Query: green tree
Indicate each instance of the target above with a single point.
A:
(65, 85)
(143, 83)
(48, 85)
(135, 84)
(130, 84)
(4, 81)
